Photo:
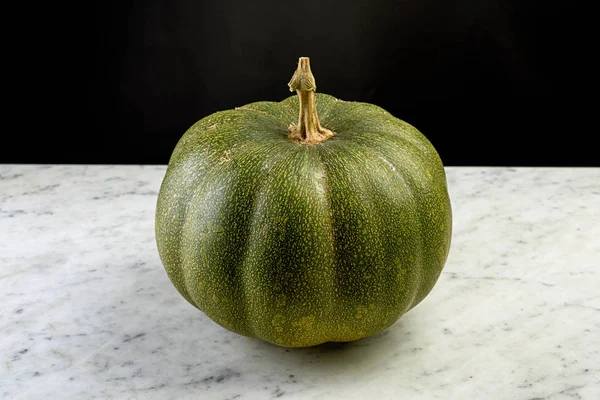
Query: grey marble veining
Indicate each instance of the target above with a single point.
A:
(88, 312)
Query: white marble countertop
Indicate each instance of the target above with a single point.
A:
(88, 312)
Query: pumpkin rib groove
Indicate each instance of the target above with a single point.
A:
(417, 268)
(179, 243)
(185, 287)
(248, 268)
(428, 252)
(254, 326)
(371, 206)
(326, 194)
(437, 190)
(360, 298)
(188, 225)
(250, 158)
(184, 154)
(410, 190)
(208, 242)
(245, 158)
(245, 265)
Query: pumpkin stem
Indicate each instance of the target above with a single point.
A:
(309, 129)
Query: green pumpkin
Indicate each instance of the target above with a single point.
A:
(327, 230)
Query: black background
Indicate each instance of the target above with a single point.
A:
(488, 82)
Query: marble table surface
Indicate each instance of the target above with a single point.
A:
(87, 310)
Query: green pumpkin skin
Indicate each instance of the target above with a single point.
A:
(301, 244)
